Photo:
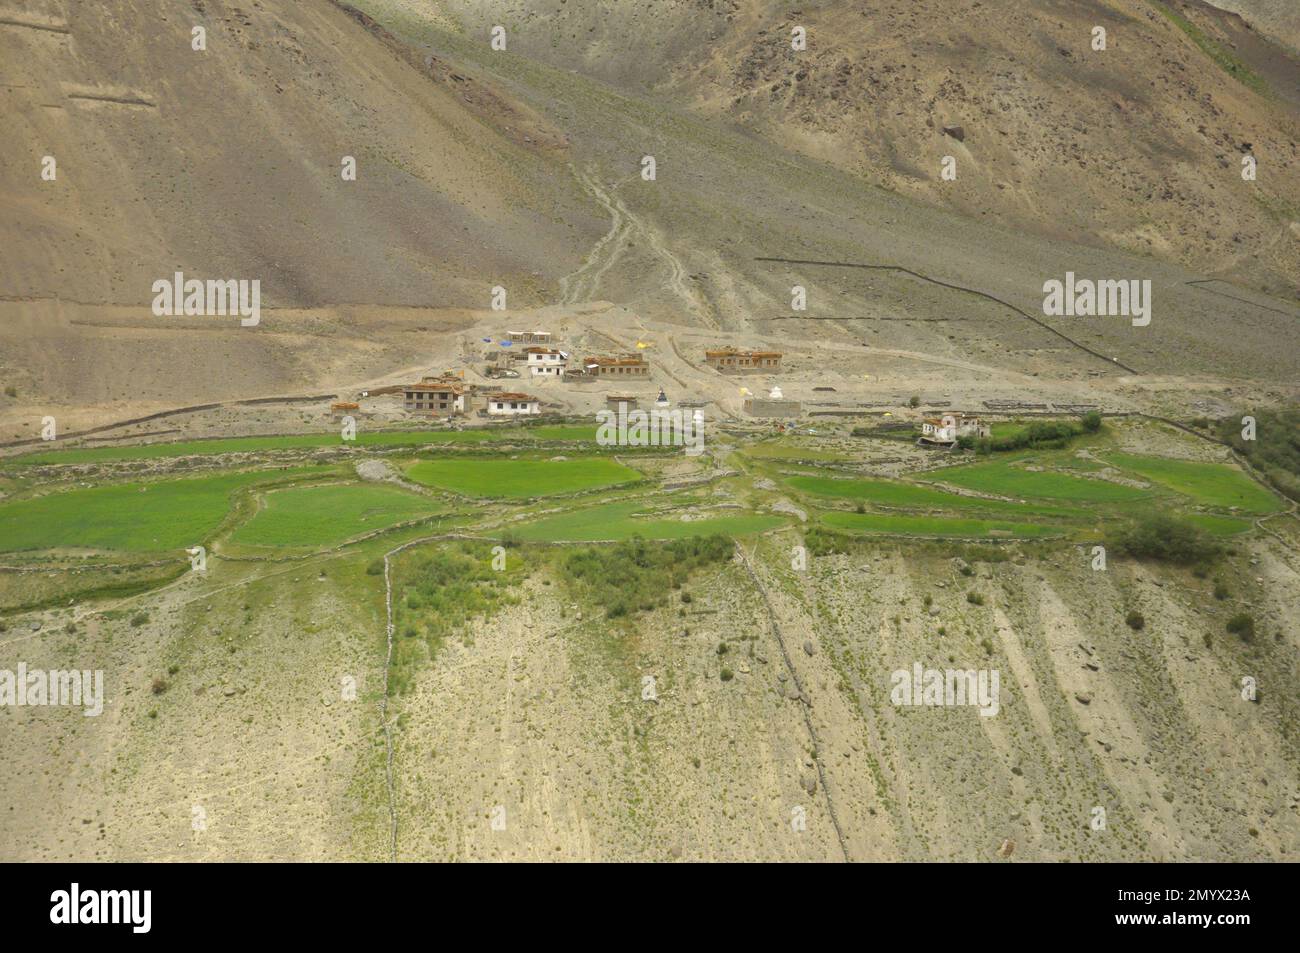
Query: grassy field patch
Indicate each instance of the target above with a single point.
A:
(909, 495)
(520, 479)
(1007, 479)
(1211, 484)
(153, 451)
(327, 515)
(1218, 525)
(130, 517)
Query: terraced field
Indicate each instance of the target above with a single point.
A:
(1209, 484)
(896, 493)
(156, 451)
(328, 515)
(617, 521)
(520, 478)
(1011, 478)
(135, 517)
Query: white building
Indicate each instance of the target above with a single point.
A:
(546, 362)
(950, 428)
(512, 405)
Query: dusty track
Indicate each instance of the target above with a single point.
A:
(583, 284)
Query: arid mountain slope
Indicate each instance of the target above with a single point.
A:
(1137, 147)
(1279, 19)
(227, 163)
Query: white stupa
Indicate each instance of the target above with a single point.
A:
(776, 393)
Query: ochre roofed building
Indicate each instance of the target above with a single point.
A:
(730, 359)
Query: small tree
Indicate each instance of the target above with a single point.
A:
(1242, 624)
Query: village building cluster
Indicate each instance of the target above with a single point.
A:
(535, 356)
(538, 357)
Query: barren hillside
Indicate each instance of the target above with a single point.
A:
(1137, 147)
(227, 162)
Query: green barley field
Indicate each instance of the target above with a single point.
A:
(306, 441)
(329, 515)
(154, 451)
(498, 478)
(895, 493)
(130, 517)
(1010, 479)
(1210, 484)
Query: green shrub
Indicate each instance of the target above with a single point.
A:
(1275, 449)
(1163, 538)
(726, 675)
(1039, 434)
(1243, 625)
(639, 575)
(442, 588)
(1135, 621)
(974, 598)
